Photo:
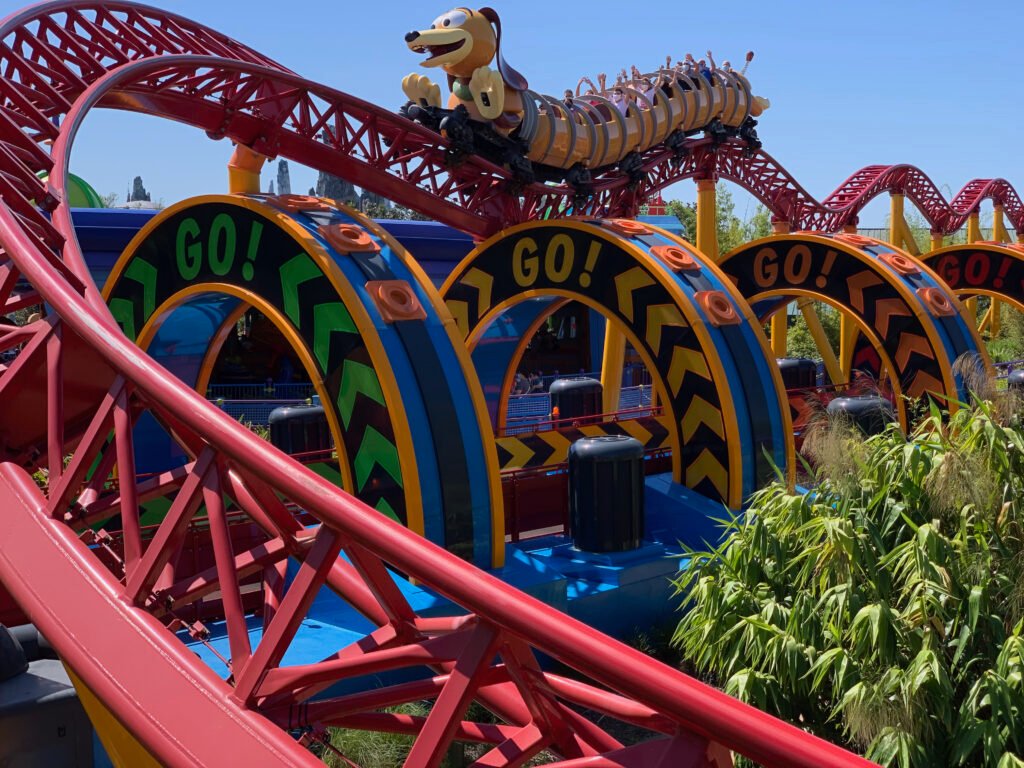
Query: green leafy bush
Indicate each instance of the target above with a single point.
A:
(884, 610)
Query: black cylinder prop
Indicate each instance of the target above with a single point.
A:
(1016, 379)
(870, 413)
(300, 429)
(797, 372)
(12, 657)
(575, 398)
(606, 493)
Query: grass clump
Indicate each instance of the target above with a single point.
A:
(885, 611)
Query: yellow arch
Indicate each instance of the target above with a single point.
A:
(152, 326)
(352, 302)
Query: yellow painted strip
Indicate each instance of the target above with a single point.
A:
(216, 343)
(124, 750)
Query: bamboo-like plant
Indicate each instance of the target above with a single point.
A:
(885, 610)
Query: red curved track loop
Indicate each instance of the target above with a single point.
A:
(112, 607)
(765, 178)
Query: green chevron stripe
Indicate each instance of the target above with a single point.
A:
(294, 273)
(356, 378)
(123, 311)
(328, 318)
(376, 449)
(141, 271)
(384, 508)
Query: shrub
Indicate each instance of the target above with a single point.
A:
(883, 610)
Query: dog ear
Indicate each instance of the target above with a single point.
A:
(512, 78)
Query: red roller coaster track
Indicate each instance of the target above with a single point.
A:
(108, 610)
(52, 54)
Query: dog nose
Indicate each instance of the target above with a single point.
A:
(410, 36)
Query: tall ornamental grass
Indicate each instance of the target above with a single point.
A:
(884, 610)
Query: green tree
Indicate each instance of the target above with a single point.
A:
(800, 343)
(377, 210)
(732, 231)
(885, 610)
(1009, 343)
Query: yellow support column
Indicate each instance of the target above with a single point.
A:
(848, 332)
(973, 236)
(999, 234)
(244, 171)
(780, 330)
(780, 320)
(828, 355)
(612, 364)
(707, 223)
(938, 240)
(896, 219)
(974, 227)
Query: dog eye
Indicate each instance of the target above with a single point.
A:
(457, 18)
(447, 22)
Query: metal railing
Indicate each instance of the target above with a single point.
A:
(268, 390)
(528, 413)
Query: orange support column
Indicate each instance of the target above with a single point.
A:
(244, 171)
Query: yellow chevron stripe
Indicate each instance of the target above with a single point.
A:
(625, 284)
(686, 360)
(702, 412)
(635, 429)
(559, 442)
(460, 311)
(707, 466)
(658, 316)
(482, 281)
(521, 453)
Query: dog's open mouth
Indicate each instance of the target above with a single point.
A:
(439, 50)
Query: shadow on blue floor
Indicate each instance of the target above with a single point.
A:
(618, 593)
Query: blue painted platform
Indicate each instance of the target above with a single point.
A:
(620, 593)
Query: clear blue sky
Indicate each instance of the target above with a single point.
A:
(934, 84)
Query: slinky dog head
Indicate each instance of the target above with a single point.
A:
(462, 40)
